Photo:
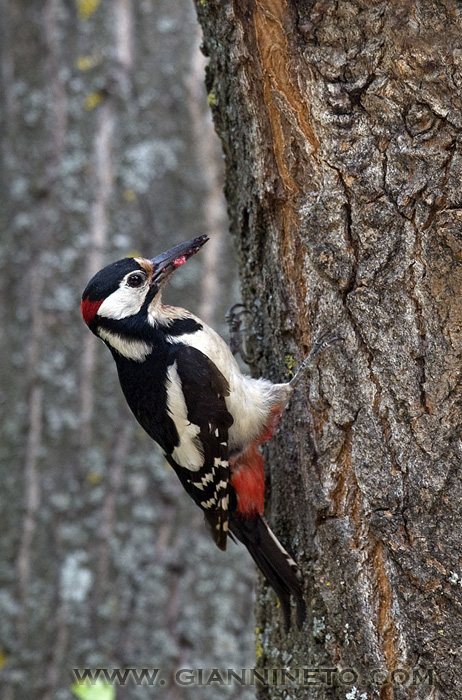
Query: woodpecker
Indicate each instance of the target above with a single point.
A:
(185, 388)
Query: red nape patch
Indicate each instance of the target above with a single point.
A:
(89, 309)
(248, 480)
(180, 260)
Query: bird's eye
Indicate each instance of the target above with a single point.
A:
(135, 280)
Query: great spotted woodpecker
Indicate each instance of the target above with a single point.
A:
(185, 388)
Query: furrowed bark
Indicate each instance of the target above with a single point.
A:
(340, 124)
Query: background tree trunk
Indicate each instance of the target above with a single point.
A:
(341, 123)
(104, 562)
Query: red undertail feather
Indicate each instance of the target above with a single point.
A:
(248, 480)
(248, 475)
(272, 423)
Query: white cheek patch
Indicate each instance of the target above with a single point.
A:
(187, 454)
(130, 348)
(125, 301)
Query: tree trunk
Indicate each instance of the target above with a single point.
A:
(340, 123)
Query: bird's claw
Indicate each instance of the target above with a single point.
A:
(319, 344)
(237, 342)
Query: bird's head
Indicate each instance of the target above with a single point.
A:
(125, 291)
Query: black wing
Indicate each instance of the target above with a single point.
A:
(196, 392)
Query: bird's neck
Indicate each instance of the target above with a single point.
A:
(138, 336)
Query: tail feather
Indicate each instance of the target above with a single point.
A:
(278, 567)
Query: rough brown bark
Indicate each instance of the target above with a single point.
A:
(341, 124)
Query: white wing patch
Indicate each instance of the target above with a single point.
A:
(250, 400)
(130, 348)
(187, 454)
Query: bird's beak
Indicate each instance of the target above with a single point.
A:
(166, 263)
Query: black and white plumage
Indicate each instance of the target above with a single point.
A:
(185, 388)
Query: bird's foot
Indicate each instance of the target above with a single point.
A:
(237, 328)
(320, 343)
